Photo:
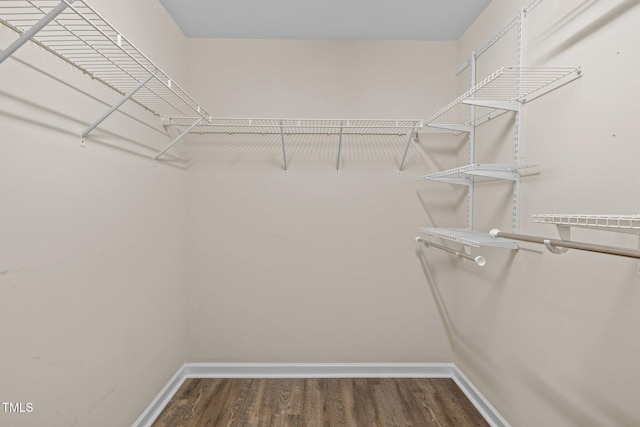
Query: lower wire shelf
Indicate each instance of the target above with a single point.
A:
(473, 238)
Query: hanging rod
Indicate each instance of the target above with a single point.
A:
(480, 260)
(559, 246)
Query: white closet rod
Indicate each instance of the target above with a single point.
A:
(559, 246)
(480, 260)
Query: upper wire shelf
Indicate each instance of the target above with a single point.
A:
(82, 37)
(511, 84)
(619, 223)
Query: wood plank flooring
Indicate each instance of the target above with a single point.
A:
(331, 402)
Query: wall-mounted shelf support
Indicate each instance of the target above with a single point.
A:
(406, 149)
(456, 127)
(118, 104)
(284, 147)
(479, 260)
(28, 35)
(495, 104)
(339, 148)
(179, 137)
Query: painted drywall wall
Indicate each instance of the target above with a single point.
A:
(312, 266)
(552, 339)
(92, 240)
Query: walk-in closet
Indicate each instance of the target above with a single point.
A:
(299, 213)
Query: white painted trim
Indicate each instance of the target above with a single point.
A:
(319, 370)
(156, 406)
(483, 406)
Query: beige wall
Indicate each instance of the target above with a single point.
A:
(97, 246)
(92, 240)
(552, 340)
(313, 267)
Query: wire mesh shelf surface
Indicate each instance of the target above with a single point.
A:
(259, 126)
(470, 237)
(490, 170)
(511, 84)
(622, 223)
(83, 38)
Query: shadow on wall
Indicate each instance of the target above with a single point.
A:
(589, 29)
(603, 411)
(62, 121)
(470, 352)
(320, 147)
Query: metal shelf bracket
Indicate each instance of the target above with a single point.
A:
(28, 35)
(118, 104)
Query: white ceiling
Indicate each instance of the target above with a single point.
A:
(325, 19)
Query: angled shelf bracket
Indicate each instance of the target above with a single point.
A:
(284, 147)
(456, 127)
(339, 147)
(406, 149)
(118, 104)
(179, 137)
(495, 104)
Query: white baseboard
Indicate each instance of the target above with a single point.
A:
(319, 370)
(156, 406)
(483, 406)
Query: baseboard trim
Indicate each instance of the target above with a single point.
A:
(156, 406)
(490, 414)
(319, 370)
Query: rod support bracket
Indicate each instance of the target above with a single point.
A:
(554, 249)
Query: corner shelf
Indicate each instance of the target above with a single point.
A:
(619, 223)
(473, 238)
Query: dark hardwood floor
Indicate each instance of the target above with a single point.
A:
(320, 402)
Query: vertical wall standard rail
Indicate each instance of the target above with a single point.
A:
(118, 104)
(552, 244)
(472, 147)
(28, 35)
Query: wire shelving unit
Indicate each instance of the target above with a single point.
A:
(79, 35)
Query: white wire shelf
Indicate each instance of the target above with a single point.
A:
(461, 174)
(470, 238)
(619, 223)
(289, 126)
(82, 37)
(509, 85)
(215, 136)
